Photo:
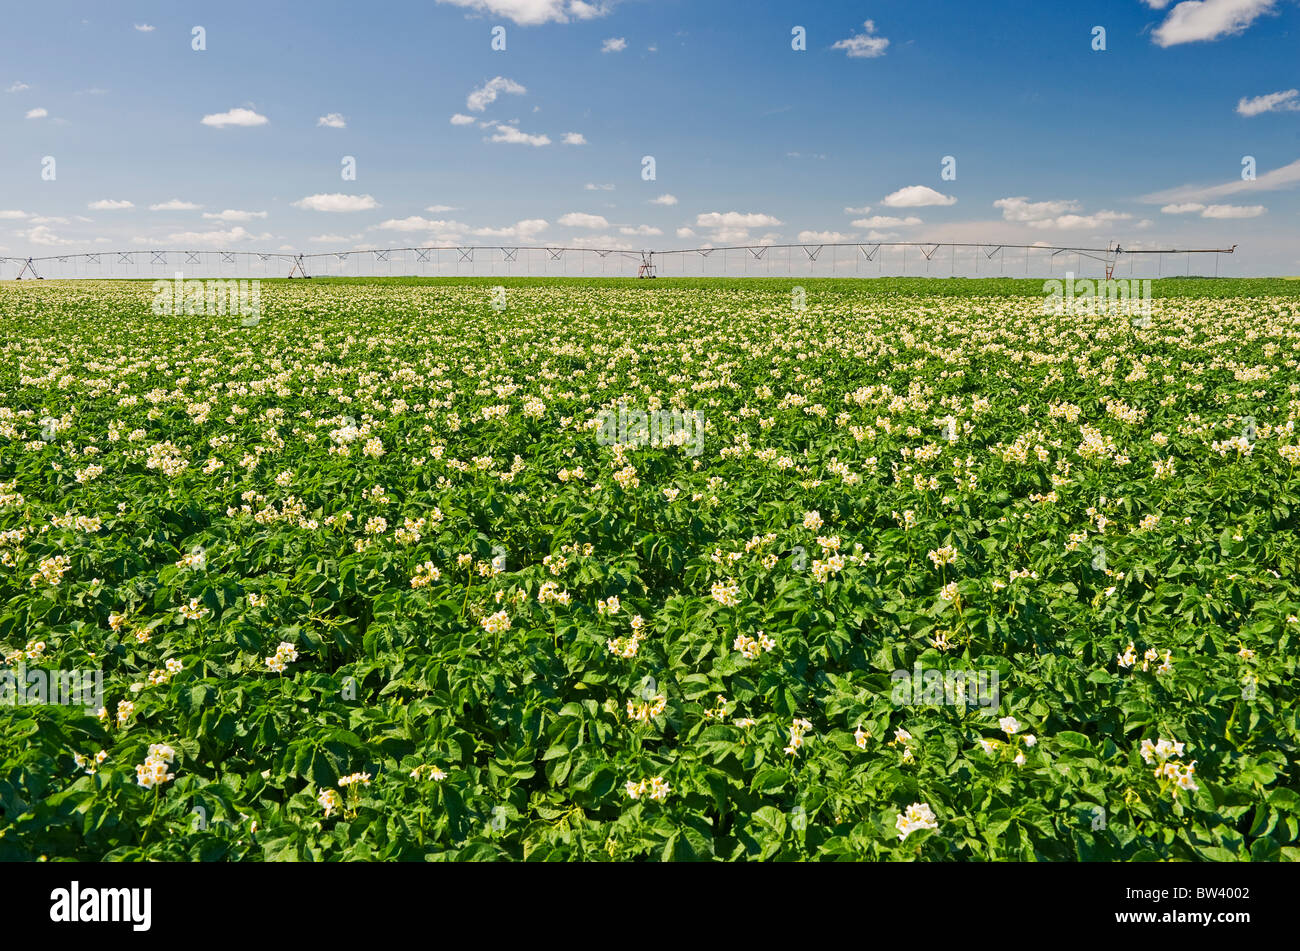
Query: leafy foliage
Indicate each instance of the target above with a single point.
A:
(267, 495)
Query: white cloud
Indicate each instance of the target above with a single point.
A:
(50, 220)
(646, 230)
(44, 236)
(416, 223)
(615, 44)
(175, 205)
(885, 221)
(1233, 211)
(231, 214)
(1055, 214)
(237, 117)
(217, 238)
(916, 196)
(667, 200)
(336, 202)
(18, 87)
(685, 233)
(1021, 209)
(574, 138)
(1195, 21)
(37, 113)
(525, 230)
(482, 97)
(865, 45)
(332, 120)
(600, 241)
(864, 210)
(145, 28)
(824, 237)
(438, 209)
(108, 204)
(578, 219)
(1283, 177)
(881, 235)
(534, 12)
(1284, 101)
(461, 119)
(733, 226)
(1185, 208)
(591, 187)
(12, 215)
(1095, 220)
(511, 135)
(734, 219)
(329, 239)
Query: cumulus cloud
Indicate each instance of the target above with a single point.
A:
(42, 235)
(1284, 101)
(332, 120)
(108, 204)
(461, 119)
(734, 219)
(666, 200)
(535, 12)
(574, 138)
(603, 241)
(685, 233)
(1062, 214)
(438, 209)
(592, 187)
(646, 230)
(37, 113)
(1095, 220)
(578, 219)
(615, 44)
(175, 204)
(916, 196)
(864, 210)
(864, 45)
(336, 202)
(235, 117)
(512, 136)
(12, 215)
(217, 238)
(416, 223)
(733, 226)
(885, 221)
(824, 237)
(145, 28)
(232, 214)
(1022, 209)
(1194, 21)
(18, 87)
(482, 97)
(1185, 208)
(526, 230)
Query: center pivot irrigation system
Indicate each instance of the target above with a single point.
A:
(870, 259)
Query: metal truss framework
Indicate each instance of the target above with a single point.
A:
(754, 260)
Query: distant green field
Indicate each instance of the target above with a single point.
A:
(1202, 287)
(1199, 287)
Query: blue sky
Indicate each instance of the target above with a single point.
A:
(242, 143)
